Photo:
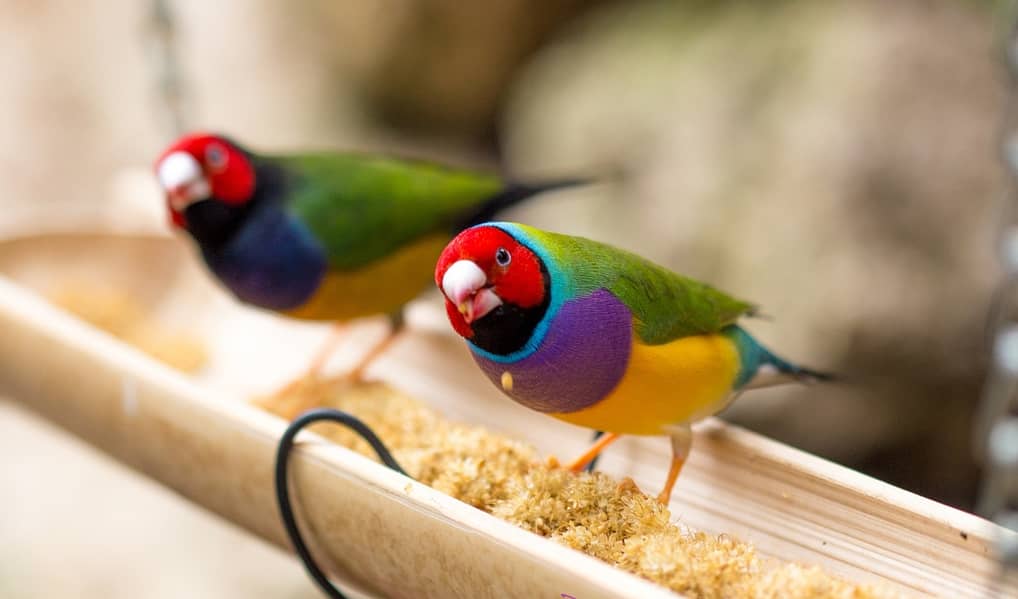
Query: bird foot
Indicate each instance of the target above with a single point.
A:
(580, 463)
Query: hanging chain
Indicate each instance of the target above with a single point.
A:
(997, 421)
(163, 57)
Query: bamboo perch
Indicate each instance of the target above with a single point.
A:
(404, 539)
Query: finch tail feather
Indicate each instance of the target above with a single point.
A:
(761, 368)
(513, 194)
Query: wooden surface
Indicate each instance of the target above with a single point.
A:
(199, 438)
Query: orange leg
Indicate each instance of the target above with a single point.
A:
(326, 350)
(300, 394)
(317, 362)
(595, 449)
(356, 375)
(673, 475)
(682, 442)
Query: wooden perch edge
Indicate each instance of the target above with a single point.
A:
(402, 538)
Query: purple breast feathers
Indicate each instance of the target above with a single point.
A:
(581, 359)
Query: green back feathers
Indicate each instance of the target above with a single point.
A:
(362, 208)
(665, 306)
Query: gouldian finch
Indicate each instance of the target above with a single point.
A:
(599, 337)
(323, 236)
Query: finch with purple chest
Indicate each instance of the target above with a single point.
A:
(600, 337)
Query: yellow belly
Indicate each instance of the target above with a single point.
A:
(381, 287)
(682, 381)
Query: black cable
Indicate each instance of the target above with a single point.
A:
(283, 492)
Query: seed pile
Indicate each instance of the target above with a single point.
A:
(593, 513)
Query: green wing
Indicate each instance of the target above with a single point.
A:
(362, 208)
(666, 306)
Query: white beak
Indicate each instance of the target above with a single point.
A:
(464, 284)
(181, 177)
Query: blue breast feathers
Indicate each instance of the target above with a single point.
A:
(272, 261)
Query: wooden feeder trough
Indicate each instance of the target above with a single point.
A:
(199, 437)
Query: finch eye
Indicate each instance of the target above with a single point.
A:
(215, 156)
(503, 257)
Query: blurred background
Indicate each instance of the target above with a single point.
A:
(833, 162)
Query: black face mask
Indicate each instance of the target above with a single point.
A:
(212, 222)
(507, 328)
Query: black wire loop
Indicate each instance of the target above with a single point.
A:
(282, 488)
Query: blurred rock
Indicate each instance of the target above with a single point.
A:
(834, 162)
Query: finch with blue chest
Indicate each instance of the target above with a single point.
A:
(600, 337)
(330, 236)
